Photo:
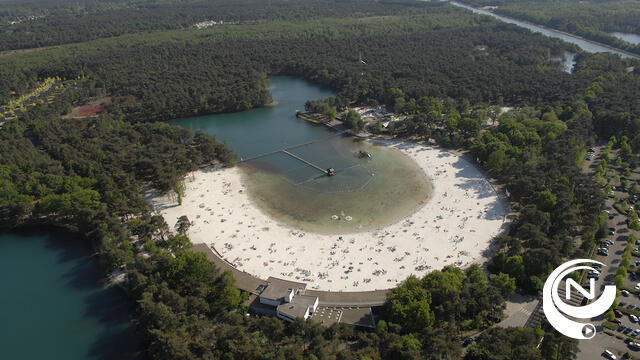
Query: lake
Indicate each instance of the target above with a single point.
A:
(630, 38)
(365, 193)
(566, 62)
(54, 305)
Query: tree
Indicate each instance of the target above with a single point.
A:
(505, 343)
(353, 120)
(610, 315)
(505, 283)
(229, 298)
(469, 127)
(189, 271)
(557, 346)
(409, 305)
(633, 220)
(183, 224)
(496, 160)
(178, 243)
(514, 266)
(546, 201)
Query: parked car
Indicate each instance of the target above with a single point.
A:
(624, 293)
(627, 330)
(634, 345)
(635, 332)
(633, 318)
(621, 328)
(609, 355)
(617, 312)
(617, 321)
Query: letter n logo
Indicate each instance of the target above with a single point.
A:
(588, 294)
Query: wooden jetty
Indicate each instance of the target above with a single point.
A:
(334, 125)
(305, 161)
(329, 172)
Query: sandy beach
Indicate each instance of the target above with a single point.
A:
(455, 227)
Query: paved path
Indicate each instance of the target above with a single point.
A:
(519, 309)
(250, 283)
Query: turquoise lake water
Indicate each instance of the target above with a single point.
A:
(371, 192)
(53, 304)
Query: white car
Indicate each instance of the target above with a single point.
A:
(633, 318)
(637, 285)
(609, 355)
(624, 293)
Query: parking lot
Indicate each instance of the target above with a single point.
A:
(617, 233)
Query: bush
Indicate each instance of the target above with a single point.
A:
(610, 325)
(610, 316)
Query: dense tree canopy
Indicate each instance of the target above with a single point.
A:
(446, 72)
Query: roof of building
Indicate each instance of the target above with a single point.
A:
(278, 288)
(297, 308)
(305, 300)
(261, 308)
(327, 316)
(286, 283)
(357, 316)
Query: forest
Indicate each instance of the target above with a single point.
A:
(221, 70)
(38, 23)
(592, 19)
(446, 69)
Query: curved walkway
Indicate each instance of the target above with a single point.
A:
(250, 284)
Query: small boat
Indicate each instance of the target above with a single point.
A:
(307, 118)
(364, 154)
(330, 172)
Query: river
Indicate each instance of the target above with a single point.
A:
(586, 45)
(53, 304)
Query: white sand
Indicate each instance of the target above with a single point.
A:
(455, 226)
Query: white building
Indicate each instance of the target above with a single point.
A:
(286, 300)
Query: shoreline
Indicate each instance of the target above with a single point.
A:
(462, 203)
(290, 222)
